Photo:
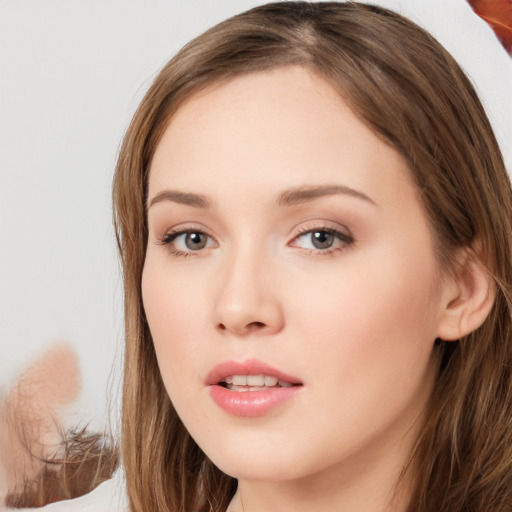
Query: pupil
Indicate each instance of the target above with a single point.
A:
(322, 239)
(195, 240)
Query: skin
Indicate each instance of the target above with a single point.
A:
(355, 322)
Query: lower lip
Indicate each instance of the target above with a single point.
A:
(251, 403)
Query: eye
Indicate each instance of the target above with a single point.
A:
(193, 240)
(324, 240)
(184, 242)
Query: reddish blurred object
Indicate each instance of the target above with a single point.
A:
(498, 13)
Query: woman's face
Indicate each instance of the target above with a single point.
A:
(286, 241)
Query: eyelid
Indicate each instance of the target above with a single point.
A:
(184, 228)
(320, 225)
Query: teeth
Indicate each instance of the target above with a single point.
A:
(254, 382)
(246, 388)
(270, 381)
(240, 380)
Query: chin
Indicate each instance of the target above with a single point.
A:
(268, 470)
(252, 460)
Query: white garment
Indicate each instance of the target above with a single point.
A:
(110, 496)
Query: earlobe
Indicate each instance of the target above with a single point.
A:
(468, 301)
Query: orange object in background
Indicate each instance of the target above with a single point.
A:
(498, 13)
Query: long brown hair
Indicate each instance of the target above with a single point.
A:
(410, 92)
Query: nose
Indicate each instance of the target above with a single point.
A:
(247, 301)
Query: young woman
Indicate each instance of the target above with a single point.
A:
(314, 224)
(314, 221)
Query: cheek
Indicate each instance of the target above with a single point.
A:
(172, 312)
(367, 337)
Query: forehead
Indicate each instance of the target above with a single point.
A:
(279, 128)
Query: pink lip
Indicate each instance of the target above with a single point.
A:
(249, 403)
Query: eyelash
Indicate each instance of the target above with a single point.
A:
(168, 238)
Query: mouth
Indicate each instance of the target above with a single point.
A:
(250, 388)
(249, 375)
(261, 382)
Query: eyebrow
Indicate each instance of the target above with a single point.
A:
(304, 194)
(289, 197)
(186, 198)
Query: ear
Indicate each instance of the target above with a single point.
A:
(468, 299)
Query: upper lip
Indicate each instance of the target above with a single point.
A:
(248, 367)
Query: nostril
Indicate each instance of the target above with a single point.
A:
(255, 325)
